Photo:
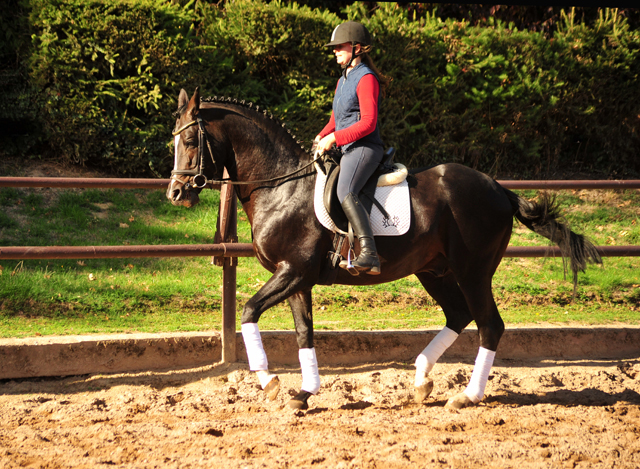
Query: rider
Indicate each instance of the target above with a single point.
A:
(353, 127)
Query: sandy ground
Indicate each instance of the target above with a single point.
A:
(537, 414)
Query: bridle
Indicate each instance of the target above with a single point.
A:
(200, 180)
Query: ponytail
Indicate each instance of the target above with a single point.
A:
(384, 80)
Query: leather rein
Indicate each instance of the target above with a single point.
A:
(200, 180)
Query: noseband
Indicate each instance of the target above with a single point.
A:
(199, 179)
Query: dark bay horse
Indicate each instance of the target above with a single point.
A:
(460, 228)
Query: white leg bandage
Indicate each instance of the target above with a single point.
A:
(432, 352)
(255, 353)
(253, 344)
(309, 366)
(480, 375)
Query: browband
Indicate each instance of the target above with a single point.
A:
(186, 126)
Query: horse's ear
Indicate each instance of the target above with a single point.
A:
(195, 101)
(183, 99)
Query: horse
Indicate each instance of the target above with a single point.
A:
(461, 223)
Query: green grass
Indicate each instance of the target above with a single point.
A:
(52, 297)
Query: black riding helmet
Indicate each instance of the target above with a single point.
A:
(350, 32)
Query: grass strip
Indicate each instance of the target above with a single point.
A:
(59, 297)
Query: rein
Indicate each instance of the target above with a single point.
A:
(200, 180)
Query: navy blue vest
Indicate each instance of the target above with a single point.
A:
(346, 108)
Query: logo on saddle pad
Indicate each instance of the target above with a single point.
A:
(393, 197)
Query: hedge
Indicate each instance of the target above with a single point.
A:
(19, 122)
(107, 74)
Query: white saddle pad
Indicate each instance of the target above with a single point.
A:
(395, 200)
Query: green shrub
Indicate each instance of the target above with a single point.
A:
(488, 96)
(503, 100)
(107, 71)
(20, 129)
(278, 59)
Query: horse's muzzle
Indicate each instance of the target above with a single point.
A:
(178, 194)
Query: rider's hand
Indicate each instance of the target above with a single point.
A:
(314, 146)
(326, 143)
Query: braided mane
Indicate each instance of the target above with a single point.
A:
(266, 114)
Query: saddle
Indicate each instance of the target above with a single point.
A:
(331, 169)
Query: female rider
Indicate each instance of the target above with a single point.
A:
(353, 127)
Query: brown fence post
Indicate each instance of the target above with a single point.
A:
(228, 233)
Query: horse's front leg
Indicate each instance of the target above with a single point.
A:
(303, 318)
(280, 286)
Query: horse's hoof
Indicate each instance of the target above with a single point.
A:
(423, 391)
(459, 401)
(299, 401)
(272, 388)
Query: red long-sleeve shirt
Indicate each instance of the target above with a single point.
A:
(367, 90)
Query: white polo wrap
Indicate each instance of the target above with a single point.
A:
(253, 344)
(264, 377)
(432, 352)
(309, 366)
(480, 375)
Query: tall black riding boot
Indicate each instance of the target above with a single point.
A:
(367, 261)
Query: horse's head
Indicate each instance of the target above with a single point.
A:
(194, 162)
(215, 134)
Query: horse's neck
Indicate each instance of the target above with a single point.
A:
(285, 198)
(261, 154)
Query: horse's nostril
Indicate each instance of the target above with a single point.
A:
(176, 194)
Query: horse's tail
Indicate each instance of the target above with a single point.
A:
(543, 217)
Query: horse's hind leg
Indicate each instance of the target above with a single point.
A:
(303, 318)
(490, 329)
(445, 290)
